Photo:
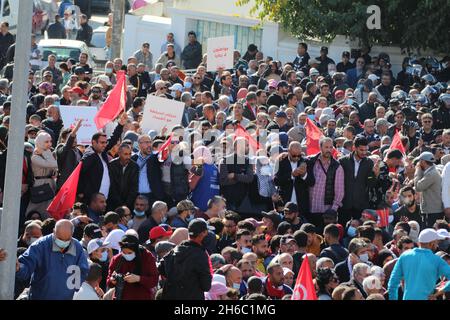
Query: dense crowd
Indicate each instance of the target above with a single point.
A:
(272, 162)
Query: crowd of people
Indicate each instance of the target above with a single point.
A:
(228, 203)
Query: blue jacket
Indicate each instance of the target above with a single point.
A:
(54, 275)
(352, 78)
(420, 269)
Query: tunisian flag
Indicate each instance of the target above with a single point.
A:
(397, 143)
(241, 132)
(65, 198)
(313, 135)
(163, 152)
(304, 286)
(114, 103)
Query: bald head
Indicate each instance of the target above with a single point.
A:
(233, 277)
(64, 230)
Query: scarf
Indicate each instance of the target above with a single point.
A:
(274, 293)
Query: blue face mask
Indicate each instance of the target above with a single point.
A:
(187, 85)
(108, 70)
(351, 232)
(139, 213)
(104, 256)
(57, 103)
(62, 244)
(311, 116)
(129, 257)
(189, 218)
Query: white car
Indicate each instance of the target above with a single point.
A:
(98, 45)
(63, 49)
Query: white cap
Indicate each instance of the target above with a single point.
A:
(94, 244)
(429, 235)
(314, 72)
(287, 270)
(176, 87)
(104, 78)
(443, 233)
(373, 77)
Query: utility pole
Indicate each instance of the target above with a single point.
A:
(13, 178)
(118, 17)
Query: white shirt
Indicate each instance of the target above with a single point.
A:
(86, 292)
(294, 196)
(104, 186)
(446, 186)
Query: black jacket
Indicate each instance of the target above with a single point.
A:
(56, 31)
(187, 272)
(144, 229)
(124, 184)
(335, 252)
(342, 271)
(67, 157)
(154, 175)
(85, 34)
(92, 169)
(356, 189)
(283, 180)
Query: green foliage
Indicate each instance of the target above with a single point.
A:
(416, 24)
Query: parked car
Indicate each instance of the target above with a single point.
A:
(98, 45)
(63, 49)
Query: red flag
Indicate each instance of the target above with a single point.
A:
(163, 152)
(313, 135)
(65, 198)
(397, 143)
(383, 215)
(241, 132)
(304, 286)
(114, 104)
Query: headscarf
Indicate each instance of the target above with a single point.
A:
(203, 152)
(179, 235)
(217, 289)
(242, 93)
(40, 140)
(415, 230)
(114, 237)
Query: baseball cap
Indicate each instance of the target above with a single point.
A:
(282, 83)
(164, 246)
(425, 156)
(76, 90)
(176, 87)
(280, 114)
(287, 238)
(324, 49)
(291, 207)
(443, 233)
(255, 222)
(314, 72)
(273, 216)
(92, 230)
(104, 78)
(159, 232)
(185, 205)
(308, 228)
(428, 235)
(94, 244)
(197, 226)
(78, 70)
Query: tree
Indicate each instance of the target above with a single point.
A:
(417, 24)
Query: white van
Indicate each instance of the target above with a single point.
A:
(63, 49)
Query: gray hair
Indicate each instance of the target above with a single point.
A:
(359, 268)
(325, 139)
(321, 262)
(186, 96)
(371, 282)
(142, 136)
(381, 122)
(158, 205)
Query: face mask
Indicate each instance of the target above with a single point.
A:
(187, 85)
(245, 250)
(62, 244)
(164, 220)
(409, 203)
(104, 256)
(50, 119)
(236, 286)
(129, 257)
(30, 140)
(364, 257)
(311, 116)
(108, 70)
(139, 213)
(190, 218)
(332, 73)
(173, 94)
(57, 103)
(351, 232)
(31, 241)
(350, 101)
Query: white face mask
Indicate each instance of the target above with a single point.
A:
(129, 257)
(236, 286)
(364, 257)
(245, 250)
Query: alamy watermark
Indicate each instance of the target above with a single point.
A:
(373, 22)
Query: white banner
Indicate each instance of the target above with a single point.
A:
(160, 113)
(220, 53)
(71, 114)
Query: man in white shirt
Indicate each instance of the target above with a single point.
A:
(90, 289)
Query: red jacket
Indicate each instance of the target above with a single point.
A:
(142, 290)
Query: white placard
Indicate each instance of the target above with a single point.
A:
(71, 114)
(161, 112)
(220, 53)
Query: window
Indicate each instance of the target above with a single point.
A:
(62, 54)
(243, 35)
